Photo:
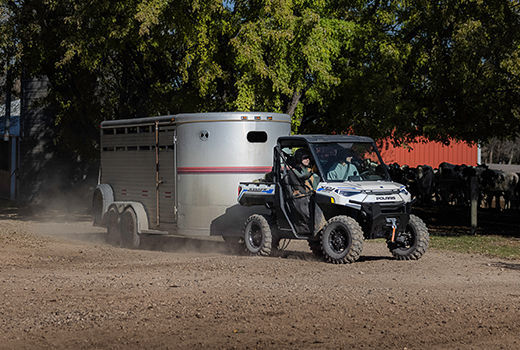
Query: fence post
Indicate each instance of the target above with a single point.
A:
(474, 203)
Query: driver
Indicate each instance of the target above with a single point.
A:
(344, 168)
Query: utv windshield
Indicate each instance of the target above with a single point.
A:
(349, 161)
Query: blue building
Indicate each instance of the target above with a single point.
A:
(9, 150)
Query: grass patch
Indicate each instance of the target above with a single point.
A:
(495, 246)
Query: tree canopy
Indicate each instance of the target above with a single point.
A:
(444, 69)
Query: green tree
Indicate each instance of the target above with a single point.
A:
(285, 52)
(446, 69)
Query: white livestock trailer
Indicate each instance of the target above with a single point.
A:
(179, 174)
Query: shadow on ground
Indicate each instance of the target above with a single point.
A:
(455, 221)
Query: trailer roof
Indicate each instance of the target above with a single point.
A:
(199, 117)
(325, 138)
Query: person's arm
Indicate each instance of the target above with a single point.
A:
(353, 171)
(302, 173)
(332, 175)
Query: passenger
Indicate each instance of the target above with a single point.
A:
(302, 204)
(344, 168)
(305, 173)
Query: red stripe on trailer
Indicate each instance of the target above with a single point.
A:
(224, 170)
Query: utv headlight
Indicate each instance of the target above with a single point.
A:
(349, 193)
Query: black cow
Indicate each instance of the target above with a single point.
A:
(496, 184)
(425, 182)
(450, 184)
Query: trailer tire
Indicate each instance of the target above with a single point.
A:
(102, 198)
(416, 241)
(341, 240)
(257, 235)
(113, 236)
(130, 237)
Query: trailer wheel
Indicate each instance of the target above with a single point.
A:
(113, 236)
(129, 236)
(411, 244)
(341, 240)
(257, 235)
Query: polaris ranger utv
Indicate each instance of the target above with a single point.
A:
(347, 197)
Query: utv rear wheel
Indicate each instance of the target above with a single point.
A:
(411, 244)
(341, 240)
(257, 235)
(129, 236)
(113, 236)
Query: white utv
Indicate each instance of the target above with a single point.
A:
(352, 198)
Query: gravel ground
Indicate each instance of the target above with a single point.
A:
(63, 287)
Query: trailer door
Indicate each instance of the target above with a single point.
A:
(166, 174)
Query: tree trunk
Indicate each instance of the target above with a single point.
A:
(294, 102)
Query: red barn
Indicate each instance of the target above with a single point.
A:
(430, 153)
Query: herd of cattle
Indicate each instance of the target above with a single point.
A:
(450, 184)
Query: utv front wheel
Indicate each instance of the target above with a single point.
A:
(257, 235)
(411, 244)
(341, 240)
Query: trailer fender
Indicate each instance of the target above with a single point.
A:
(101, 200)
(142, 217)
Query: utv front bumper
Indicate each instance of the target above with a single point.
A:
(378, 218)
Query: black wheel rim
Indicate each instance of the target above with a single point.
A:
(408, 238)
(339, 239)
(255, 236)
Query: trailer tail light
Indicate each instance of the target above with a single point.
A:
(244, 117)
(269, 118)
(257, 118)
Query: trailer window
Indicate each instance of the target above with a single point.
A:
(108, 131)
(257, 136)
(144, 129)
(144, 148)
(131, 148)
(131, 130)
(120, 131)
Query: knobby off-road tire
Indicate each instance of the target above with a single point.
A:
(113, 236)
(417, 239)
(129, 236)
(341, 240)
(257, 235)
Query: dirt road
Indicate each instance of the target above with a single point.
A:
(63, 287)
